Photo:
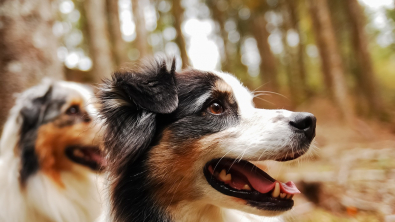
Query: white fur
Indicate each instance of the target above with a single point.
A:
(41, 199)
(258, 136)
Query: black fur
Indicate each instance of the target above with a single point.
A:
(191, 120)
(130, 103)
(137, 106)
(38, 110)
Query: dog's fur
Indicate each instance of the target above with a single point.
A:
(159, 135)
(39, 182)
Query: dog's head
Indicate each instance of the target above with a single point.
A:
(189, 137)
(52, 129)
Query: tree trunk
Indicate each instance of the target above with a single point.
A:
(27, 48)
(141, 33)
(119, 46)
(99, 44)
(292, 8)
(218, 16)
(178, 14)
(268, 61)
(330, 56)
(366, 74)
(289, 60)
(323, 50)
(291, 57)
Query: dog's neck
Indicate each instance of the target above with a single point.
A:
(42, 200)
(201, 212)
(195, 212)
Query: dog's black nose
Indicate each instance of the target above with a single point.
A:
(304, 121)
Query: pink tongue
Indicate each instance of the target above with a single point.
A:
(97, 157)
(264, 185)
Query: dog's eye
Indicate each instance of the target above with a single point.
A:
(73, 110)
(215, 108)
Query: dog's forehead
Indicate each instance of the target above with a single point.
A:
(243, 96)
(72, 89)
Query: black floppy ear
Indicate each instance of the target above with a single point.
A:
(130, 102)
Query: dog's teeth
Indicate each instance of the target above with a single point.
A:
(282, 195)
(78, 153)
(225, 177)
(228, 178)
(276, 191)
(246, 187)
(288, 196)
(222, 175)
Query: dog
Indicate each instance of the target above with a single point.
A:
(49, 156)
(179, 147)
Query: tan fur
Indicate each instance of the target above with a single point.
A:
(224, 88)
(54, 137)
(173, 168)
(170, 169)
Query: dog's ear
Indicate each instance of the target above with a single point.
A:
(130, 102)
(34, 106)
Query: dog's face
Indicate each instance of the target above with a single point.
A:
(58, 132)
(217, 128)
(196, 134)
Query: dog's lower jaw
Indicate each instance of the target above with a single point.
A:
(203, 212)
(195, 212)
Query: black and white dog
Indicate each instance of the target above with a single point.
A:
(49, 156)
(180, 145)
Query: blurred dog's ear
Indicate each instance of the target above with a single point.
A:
(130, 102)
(32, 115)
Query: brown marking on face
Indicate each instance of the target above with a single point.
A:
(172, 168)
(55, 136)
(171, 171)
(223, 88)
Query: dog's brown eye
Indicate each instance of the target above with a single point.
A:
(73, 110)
(215, 108)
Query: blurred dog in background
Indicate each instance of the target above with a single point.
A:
(49, 156)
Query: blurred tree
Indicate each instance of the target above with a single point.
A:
(141, 33)
(332, 66)
(367, 85)
(99, 44)
(178, 14)
(342, 26)
(323, 51)
(290, 56)
(119, 46)
(27, 48)
(219, 16)
(258, 28)
(298, 53)
(268, 61)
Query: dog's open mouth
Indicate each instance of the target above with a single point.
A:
(89, 156)
(244, 180)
